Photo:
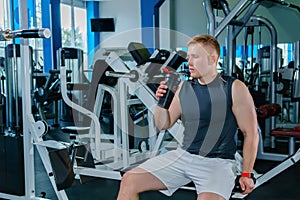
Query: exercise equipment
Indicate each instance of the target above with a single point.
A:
(76, 83)
(264, 112)
(128, 81)
(268, 110)
(296, 86)
(12, 174)
(46, 93)
(139, 52)
(291, 133)
(13, 72)
(32, 131)
(25, 33)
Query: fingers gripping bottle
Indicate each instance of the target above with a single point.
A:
(172, 81)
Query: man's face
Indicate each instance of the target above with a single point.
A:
(199, 60)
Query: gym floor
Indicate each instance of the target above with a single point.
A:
(281, 187)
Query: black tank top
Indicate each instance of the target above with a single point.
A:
(210, 126)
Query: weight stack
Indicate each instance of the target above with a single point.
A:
(12, 178)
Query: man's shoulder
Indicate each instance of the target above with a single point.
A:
(228, 77)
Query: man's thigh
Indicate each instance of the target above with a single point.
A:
(169, 169)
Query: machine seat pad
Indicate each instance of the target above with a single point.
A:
(286, 132)
(75, 129)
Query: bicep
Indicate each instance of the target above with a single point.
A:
(243, 108)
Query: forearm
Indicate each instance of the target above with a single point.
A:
(162, 118)
(249, 151)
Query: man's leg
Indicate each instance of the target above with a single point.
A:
(213, 177)
(209, 196)
(138, 180)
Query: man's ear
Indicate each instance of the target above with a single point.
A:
(212, 59)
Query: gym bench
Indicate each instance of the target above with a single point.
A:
(287, 132)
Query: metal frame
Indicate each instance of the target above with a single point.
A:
(297, 76)
(120, 151)
(96, 126)
(31, 129)
(233, 31)
(247, 20)
(142, 91)
(146, 96)
(97, 109)
(261, 154)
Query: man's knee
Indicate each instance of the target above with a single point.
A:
(127, 188)
(128, 182)
(126, 179)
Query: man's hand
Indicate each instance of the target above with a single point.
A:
(161, 90)
(247, 184)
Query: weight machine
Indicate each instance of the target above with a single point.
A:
(32, 130)
(88, 151)
(130, 83)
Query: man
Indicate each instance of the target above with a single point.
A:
(211, 108)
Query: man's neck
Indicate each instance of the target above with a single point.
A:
(208, 79)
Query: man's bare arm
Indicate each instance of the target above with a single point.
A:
(244, 111)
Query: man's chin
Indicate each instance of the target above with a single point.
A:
(195, 76)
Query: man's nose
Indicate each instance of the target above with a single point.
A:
(190, 61)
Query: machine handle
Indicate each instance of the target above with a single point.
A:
(132, 75)
(119, 74)
(62, 58)
(26, 33)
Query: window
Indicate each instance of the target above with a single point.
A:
(73, 21)
(74, 28)
(4, 19)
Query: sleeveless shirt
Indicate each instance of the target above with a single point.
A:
(210, 125)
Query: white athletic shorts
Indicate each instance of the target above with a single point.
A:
(177, 168)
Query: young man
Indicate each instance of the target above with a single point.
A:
(211, 109)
